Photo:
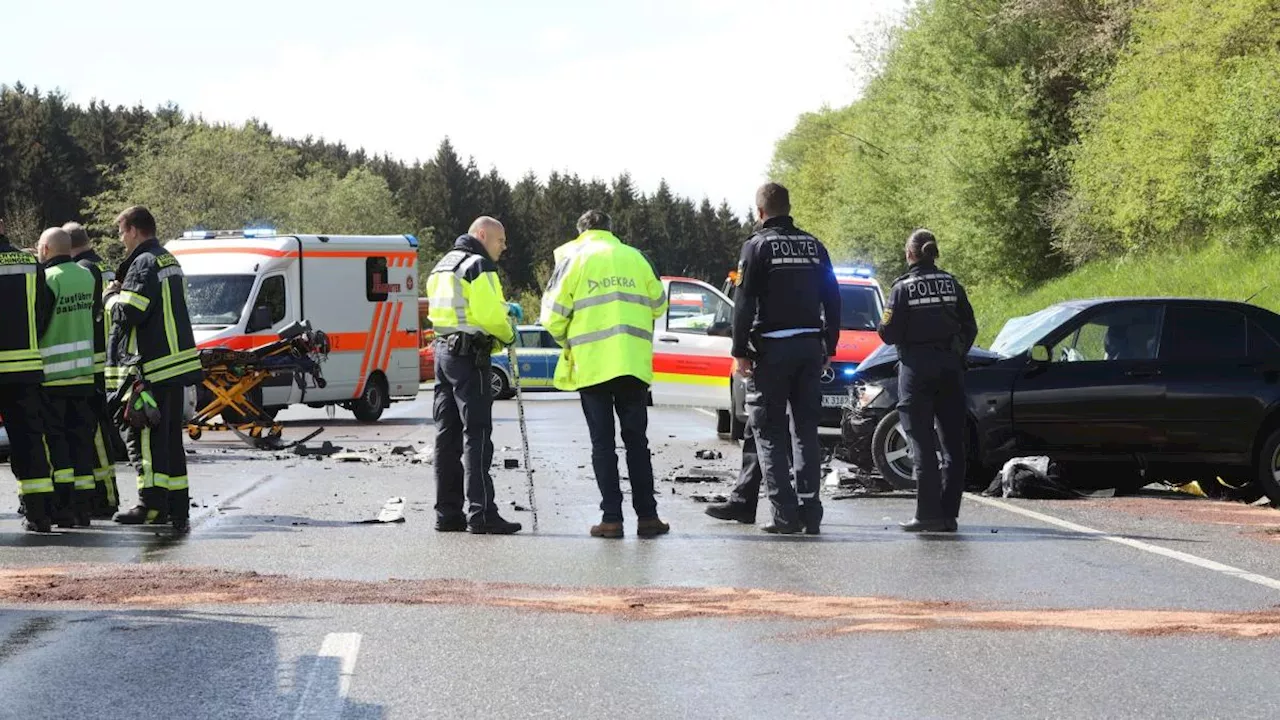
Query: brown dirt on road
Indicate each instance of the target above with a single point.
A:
(173, 586)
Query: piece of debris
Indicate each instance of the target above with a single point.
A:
(510, 464)
(404, 450)
(697, 474)
(392, 512)
(353, 457)
(708, 498)
(833, 478)
(326, 449)
(708, 455)
(519, 508)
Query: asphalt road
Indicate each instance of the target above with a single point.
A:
(280, 605)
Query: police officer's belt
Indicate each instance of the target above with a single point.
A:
(461, 343)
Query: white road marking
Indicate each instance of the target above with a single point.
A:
(1138, 544)
(705, 411)
(322, 697)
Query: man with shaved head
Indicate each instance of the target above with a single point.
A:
(107, 443)
(471, 317)
(66, 348)
(25, 298)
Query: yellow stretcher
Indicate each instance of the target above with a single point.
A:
(231, 378)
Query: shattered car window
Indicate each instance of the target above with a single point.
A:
(1020, 333)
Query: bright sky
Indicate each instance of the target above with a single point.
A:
(694, 91)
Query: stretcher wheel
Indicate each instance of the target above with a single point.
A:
(194, 432)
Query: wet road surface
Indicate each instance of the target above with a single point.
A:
(280, 605)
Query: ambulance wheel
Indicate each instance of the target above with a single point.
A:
(499, 385)
(368, 408)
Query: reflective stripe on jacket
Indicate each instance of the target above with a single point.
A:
(600, 306)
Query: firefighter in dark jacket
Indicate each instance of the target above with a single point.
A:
(66, 349)
(931, 322)
(106, 438)
(26, 300)
(786, 325)
(151, 340)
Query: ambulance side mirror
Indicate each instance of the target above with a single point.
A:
(1039, 354)
(721, 329)
(259, 319)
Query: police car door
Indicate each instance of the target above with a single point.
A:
(691, 349)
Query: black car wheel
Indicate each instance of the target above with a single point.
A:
(892, 453)
(499, 385)
(1269, 466)
(372, 401)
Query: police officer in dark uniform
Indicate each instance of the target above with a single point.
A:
(931, 322)
(782, 343)
(745, 496)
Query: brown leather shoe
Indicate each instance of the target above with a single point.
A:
(607, 530)
(651, 527)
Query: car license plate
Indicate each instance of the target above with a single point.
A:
(833, 401)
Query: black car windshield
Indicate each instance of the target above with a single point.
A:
(1020, 333)
(859, 307)
(217, 299)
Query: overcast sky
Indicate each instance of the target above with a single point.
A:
(694, 91)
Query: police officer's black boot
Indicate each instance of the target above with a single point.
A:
(732, 511)
(915, 525)
(492, 524)
(811, 518)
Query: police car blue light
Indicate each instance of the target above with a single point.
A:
(856, 271)
(197, 235)
(848, 372)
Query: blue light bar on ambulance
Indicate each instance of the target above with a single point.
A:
(259, 232)
(198, 234)
(857, 271)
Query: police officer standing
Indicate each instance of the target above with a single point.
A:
(470, 316)
(600, 306)
(931, 322)
(105, 438)
(786, 325)
(151, 332)
(66, 348)
(26, 300)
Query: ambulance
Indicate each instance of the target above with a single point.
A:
(244, 286)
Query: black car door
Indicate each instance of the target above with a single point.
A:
(1213, 397)
(1100, 394)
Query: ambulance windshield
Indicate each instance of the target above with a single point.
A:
(859, 307)
(217, 299)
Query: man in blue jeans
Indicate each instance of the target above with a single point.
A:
(600, 306)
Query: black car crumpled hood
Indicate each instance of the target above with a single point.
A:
(883, 361)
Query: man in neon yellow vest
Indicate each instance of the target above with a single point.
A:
(600, 306)
(66, 348)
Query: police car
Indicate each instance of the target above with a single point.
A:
(536, 353)
(861, 305)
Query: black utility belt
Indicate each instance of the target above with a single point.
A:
(461, 343)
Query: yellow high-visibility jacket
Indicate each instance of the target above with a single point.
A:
(600, 306)
(466, 294)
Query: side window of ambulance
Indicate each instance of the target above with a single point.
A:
(375, 279)
(694, 309)
(271, 296)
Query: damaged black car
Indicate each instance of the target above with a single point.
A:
(1120, 391)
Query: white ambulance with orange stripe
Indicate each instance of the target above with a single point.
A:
(243, 287)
